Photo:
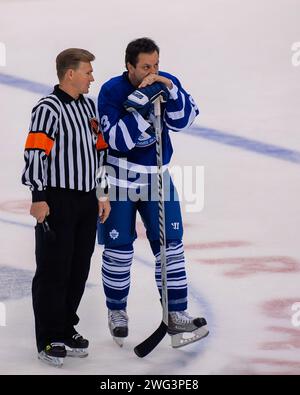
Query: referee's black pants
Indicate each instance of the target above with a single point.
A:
(63, 264)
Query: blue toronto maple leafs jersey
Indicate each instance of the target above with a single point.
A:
(132, 151)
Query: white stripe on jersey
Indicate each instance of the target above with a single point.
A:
(143, 125)
(36, 161)
(175, 115)
(85, 143)
(133, 167)
(173, 92)
(123, 183)
(128, 140)
(112, 137)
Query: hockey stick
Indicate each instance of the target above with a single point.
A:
(153, 340)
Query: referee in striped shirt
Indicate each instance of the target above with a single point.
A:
(63, 154)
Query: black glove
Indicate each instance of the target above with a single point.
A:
(141, 99)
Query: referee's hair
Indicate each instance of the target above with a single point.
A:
(70, 59)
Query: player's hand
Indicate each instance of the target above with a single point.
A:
(104, 209)
(141, 99)
(39, 210)
(151, 78)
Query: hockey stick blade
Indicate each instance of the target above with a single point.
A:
(152, 341)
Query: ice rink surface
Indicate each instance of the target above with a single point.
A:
(242, 248)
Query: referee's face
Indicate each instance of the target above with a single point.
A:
(82, 77)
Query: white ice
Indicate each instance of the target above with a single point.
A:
(242, 249)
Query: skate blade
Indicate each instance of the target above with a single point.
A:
(52, 361)
(77, 352)
(185, 338)
(119, 341)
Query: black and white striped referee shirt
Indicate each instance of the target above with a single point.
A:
(64, 144)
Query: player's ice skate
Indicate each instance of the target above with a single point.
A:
(118, 325)
(185, 329)
(77, 346)
(53, 354)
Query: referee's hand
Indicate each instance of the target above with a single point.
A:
(39, 210)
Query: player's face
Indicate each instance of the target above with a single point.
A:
(147, 64)
(82, 77)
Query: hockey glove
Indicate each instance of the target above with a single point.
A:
(141, 99)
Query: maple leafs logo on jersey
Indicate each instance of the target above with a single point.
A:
(114, 234)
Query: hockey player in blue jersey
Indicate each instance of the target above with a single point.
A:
(125, 110)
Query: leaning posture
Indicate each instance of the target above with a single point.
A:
(125, 105)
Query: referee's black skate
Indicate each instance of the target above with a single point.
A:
(185, 329)
(77, 346)
(118, 325)
(53, 354)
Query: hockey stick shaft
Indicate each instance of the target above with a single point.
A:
(153, 340)
(161, 212)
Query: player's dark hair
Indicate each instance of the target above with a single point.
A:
(140, 45)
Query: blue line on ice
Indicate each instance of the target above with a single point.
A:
(26, 85)
(206, 133)
(247, 144)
